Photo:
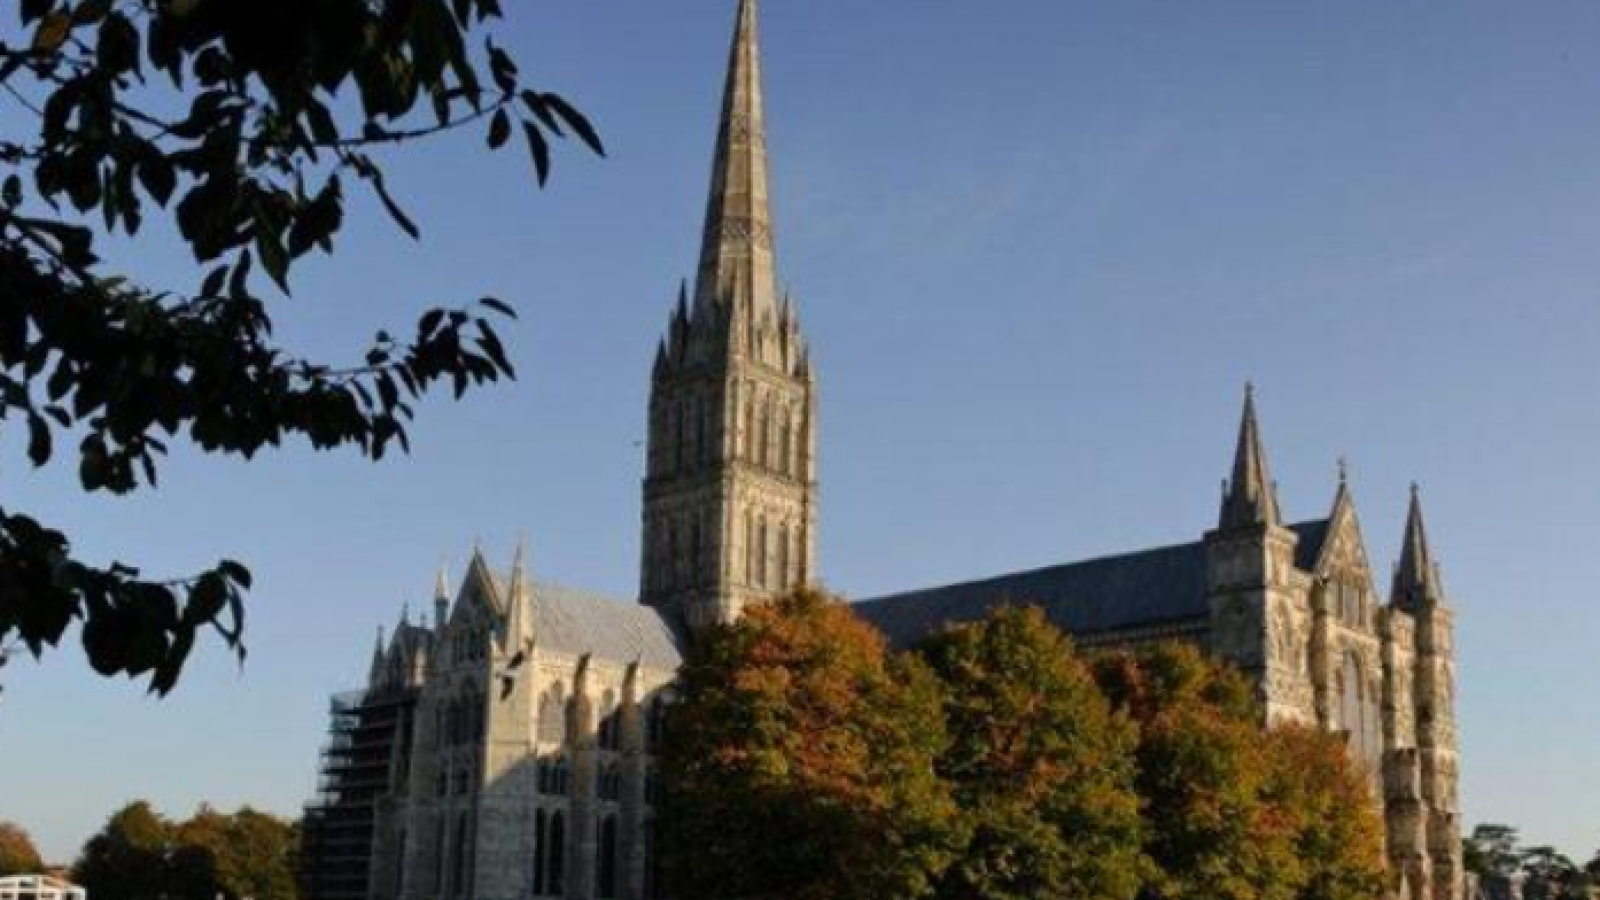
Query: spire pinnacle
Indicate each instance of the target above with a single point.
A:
(441, 597)
(1252, 496)
(376, 672)
(518, 596)
(736, 259)
(1416, 579)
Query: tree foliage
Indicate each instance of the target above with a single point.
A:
(1040, 767)
(799, 763)
(128, 858)
(18, 855)
(245, 124)
(1492, 849)
(140, 855)
(1232, 812)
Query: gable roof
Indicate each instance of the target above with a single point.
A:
(578, 622)
(1148, 587)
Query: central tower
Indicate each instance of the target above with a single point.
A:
(730, 484)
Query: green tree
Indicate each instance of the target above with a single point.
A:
(1551, 875)
(245, 854)
(1205, 776)
(129, 857)
(1493, 849)
(243, 124)
(18, 855)
(799, 762)
(1338, 830)
(1040, 767)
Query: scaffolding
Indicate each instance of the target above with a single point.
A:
(361, 765)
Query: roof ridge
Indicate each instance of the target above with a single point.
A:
(1055, 567)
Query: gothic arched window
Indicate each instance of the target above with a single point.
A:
(458, 881)
(783, 556)
(748, 427)
(551, 728)
(438, 855)
(540, 840)
(749, 548)
(761, 552)
(610, 784)
(782, 464)
(762, 436)
(558, 855)
(607, 860)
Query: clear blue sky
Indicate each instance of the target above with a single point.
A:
(1039, 247)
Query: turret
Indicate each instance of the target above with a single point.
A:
(441, 599)
(375, 671)
(1419, 590)
(1252, 582)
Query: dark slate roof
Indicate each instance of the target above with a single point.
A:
(580, 622)
(1149, 587)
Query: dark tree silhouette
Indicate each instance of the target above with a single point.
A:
(246, 123)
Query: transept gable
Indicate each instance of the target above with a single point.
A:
(1344, 550)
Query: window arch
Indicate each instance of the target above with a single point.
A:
(761, 551)
(551, 713)
(438, 855)
(797, 460)
(458, 881)
(783, 556)
(748, 427)
(782, 463)
(610, 783)
(558, 855)
(749, 547)
(763, 422)
(540, 850)
(606, 861)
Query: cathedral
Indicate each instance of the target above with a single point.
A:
(502, 748)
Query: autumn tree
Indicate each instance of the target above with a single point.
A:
(799, 762)
(128, 858)
(1338, 829)
(18, 855)
(1040, 767)
(1231, 812)
(244, 854)
(245, 125)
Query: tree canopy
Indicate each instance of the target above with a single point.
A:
(246, 125)
(804, 760)
(799, 762)
(1232, 812)
(1040, 767)
(18, 855)
(141, 855)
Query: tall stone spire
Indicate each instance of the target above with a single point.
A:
(1416, 579)
(736, 258)
(730, 483)
(1251, 497)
